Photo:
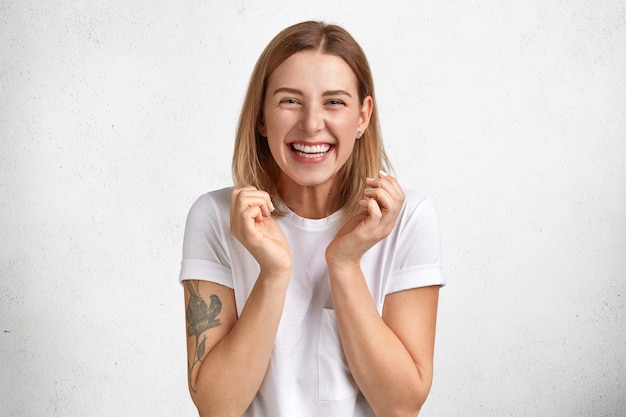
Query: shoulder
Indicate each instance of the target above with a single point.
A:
(418, 216)
(211, 208)
(412, 197)
(417, 204)
(416, 243)
(216, 200)
(219, 197)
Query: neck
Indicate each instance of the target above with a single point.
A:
(310, 202)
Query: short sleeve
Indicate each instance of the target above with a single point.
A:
(417, 244)
(205, 256)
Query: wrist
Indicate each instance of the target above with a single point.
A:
(339, 260)
(278, 274)
(343, 267)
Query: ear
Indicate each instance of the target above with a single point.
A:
(261, 128)
(365, 113)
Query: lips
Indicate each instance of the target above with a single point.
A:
(310, 151)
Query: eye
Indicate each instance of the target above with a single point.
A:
(289, 101)
(335, 102)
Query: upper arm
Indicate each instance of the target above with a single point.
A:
(211, 312)
(412, 315)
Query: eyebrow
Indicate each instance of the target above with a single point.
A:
(324, 94)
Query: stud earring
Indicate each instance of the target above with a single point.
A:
(359, 134)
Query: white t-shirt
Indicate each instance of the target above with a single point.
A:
(308, 374)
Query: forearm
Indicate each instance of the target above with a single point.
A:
(232, 372)
(381, 365)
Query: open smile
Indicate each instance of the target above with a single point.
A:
(310, 151)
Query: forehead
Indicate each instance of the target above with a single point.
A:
(313, 69)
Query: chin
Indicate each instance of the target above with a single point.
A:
(309, 181)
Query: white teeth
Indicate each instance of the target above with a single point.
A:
(310, 151)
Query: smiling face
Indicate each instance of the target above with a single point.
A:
(311, 116)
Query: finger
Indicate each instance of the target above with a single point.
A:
(253, 213)
(379, 221)
(256, 201)
(235, 197)
(392, 197)
(391, 184)
(265, 197)
(383, 180)
(379, 195)
(250, 196)
(234, 194)
(383, 197)
(373, 210)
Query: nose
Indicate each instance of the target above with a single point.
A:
(312, 120)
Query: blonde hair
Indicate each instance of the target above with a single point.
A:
(253, 163)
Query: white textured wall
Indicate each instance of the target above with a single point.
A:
(116, 115)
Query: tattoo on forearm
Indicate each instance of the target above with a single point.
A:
(200, 318)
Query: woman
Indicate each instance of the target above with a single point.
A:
(311, 286)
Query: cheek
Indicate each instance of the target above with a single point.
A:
(279, 124)
(344, 123)
(276, 147)
(345, 134)
(346, 148)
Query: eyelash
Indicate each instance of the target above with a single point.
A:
(332, 102)
(289, 101)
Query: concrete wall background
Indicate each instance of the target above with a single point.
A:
(115, 116)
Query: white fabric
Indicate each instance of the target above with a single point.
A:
(308, 374)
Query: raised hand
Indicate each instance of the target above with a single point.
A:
(381, 205)
(251, 223)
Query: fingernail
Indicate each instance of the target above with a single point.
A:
(382, 173)
(368, 179)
